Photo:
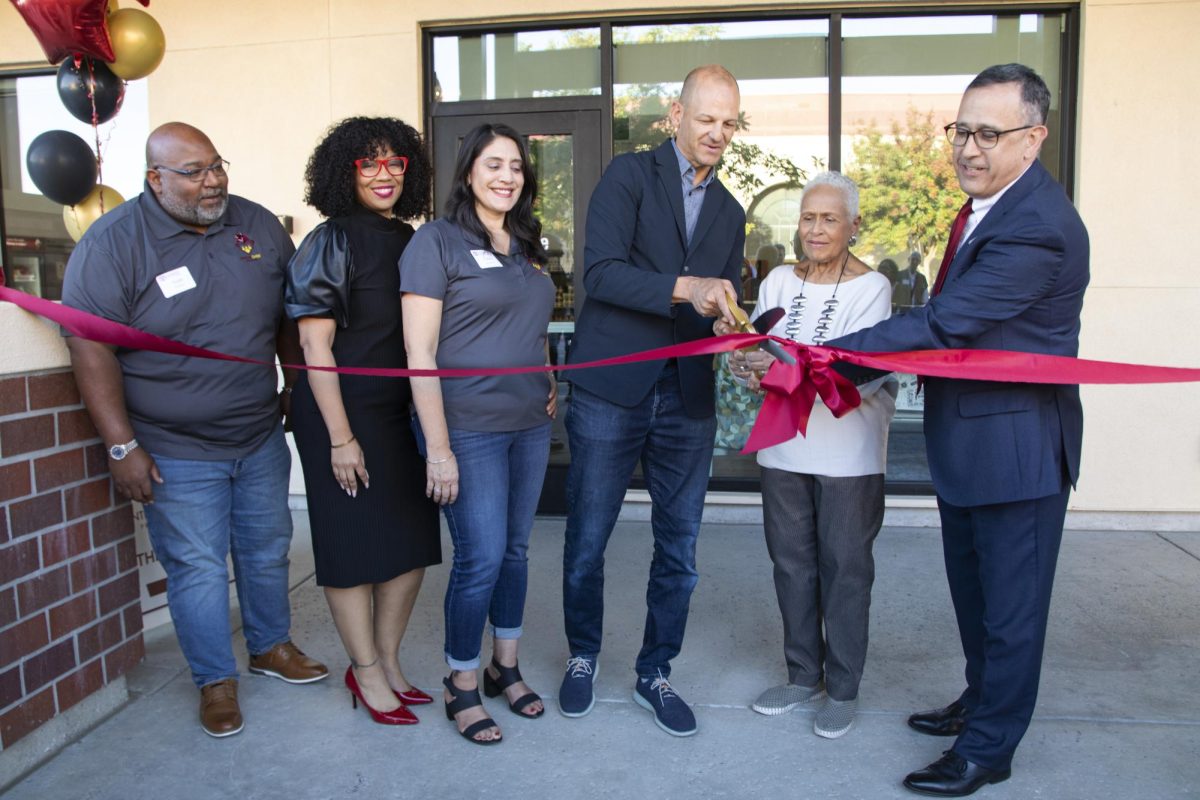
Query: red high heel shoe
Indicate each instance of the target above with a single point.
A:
(413, 697)
(397, 716)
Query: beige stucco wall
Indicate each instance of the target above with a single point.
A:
(1137, 192)
(265, 78)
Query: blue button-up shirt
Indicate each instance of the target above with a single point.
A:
(693, 196)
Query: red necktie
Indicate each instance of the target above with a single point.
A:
(956, 232)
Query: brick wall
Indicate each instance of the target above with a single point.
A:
(70, 618)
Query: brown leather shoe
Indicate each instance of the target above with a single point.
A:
(286, 662)
(219, 712)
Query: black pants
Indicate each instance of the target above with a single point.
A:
(1000, 562)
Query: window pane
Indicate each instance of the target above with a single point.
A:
(37, 243)
(903, 79)
(779, 65)
(781, 68)
(512, 65)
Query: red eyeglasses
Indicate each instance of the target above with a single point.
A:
(370, 167)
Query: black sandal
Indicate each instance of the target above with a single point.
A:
(506, 677)
(463, 700)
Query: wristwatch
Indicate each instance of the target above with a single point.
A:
(119, 451)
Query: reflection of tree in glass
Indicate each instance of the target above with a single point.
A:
(552, 163)
(640, 110)
(908, 193)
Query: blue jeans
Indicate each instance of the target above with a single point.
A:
(500, 478)
(202, 512)
(676, 452)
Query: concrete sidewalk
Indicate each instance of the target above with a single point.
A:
(1119, 714)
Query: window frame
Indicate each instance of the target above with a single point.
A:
(1067, 134)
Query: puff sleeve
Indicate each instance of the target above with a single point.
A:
(318, 280)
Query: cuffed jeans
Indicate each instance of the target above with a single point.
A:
(500, 478)
(675, 450)
(203, 512)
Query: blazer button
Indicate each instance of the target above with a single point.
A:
(687, 268)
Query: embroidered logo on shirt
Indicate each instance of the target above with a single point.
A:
(246, 245)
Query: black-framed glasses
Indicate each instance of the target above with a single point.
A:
(985, 138)
(217, 168)
(370, 167)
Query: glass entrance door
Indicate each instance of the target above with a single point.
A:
(564, 148)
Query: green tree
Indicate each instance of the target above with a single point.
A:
(908, 193)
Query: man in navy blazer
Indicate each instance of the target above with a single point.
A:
(663, 256)
(1003, 456)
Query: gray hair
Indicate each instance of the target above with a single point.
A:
(1035, 95)
(837, 180)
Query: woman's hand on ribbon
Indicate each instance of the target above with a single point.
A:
(750, 366)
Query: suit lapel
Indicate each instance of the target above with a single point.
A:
(668, 172)
(1025, 185)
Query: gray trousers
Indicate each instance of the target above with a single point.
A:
(820, 531)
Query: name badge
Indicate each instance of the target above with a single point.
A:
(176, 281)
(486, 259)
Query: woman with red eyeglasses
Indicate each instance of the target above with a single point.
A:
(373, 529)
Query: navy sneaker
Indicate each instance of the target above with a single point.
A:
(575, 696)
(670, 712)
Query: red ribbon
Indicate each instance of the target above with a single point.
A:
(791, 389)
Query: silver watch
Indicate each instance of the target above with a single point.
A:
(119, 451)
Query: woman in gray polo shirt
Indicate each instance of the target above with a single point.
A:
(476, 292)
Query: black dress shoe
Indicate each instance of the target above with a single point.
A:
(948, 721)
(953, 776)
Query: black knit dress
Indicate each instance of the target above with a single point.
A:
(391, 527)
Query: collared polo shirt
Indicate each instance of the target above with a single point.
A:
(495, 309)
(221, 289)
(693, 196)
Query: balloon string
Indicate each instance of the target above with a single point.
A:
(96, 129)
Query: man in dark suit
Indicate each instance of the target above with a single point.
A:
(1003, 456)
(662, 257)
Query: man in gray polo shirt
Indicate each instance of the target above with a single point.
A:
(199, 442)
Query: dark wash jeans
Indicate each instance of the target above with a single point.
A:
(607, 440)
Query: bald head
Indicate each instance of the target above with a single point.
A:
(165, 140)
(186, 174)
(705, 116)
(710, 75)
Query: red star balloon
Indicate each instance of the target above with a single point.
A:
(64, 27)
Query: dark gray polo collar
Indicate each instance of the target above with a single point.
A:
(164, 226)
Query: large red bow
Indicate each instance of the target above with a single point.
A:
(791, 390)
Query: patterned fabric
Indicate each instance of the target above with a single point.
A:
(737, 408)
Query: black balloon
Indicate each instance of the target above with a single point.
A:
(62, 166)
(73, 84)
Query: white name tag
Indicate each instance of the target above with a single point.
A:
(486, 259)
(177, 280)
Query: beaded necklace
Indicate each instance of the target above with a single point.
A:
(825, 321)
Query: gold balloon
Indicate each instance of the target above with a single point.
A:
(113, 6)
(79, 217)
(137, 42)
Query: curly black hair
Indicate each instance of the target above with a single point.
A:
(330, 179)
